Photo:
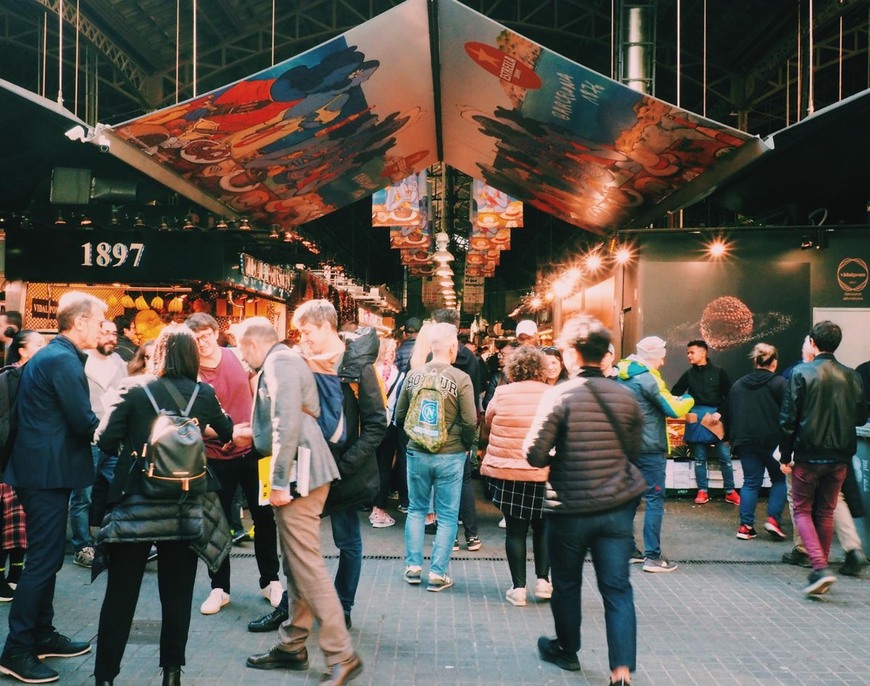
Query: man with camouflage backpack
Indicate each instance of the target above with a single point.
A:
(437, 409)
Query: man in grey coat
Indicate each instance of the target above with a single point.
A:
(283, 422)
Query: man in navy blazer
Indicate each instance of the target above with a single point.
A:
(51, 456)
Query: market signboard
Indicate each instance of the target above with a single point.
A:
(112, 256)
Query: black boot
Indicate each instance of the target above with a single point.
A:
(853, 564)
(104, 682)
(172, 676)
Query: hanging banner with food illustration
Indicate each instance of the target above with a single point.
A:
(490, 208)
(402, 203)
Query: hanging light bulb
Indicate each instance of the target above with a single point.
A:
(221, 224)
(274, 232)
(244, 224)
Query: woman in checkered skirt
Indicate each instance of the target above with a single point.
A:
(517, 487)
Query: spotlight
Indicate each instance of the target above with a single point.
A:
(717, 248)
(623, 255)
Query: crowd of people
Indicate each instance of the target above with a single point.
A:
(567, 439)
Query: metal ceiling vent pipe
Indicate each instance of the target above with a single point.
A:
(637, 53)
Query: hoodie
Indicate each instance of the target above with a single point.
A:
(656, 402)
(751, 413)
(364, 416)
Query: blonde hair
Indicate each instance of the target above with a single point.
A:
(763, 354)
(441, 337)
(316, 312)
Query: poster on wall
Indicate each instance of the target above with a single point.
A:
(311, 134)
(729, 306)
(570, 141)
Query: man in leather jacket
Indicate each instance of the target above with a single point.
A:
(824, 402)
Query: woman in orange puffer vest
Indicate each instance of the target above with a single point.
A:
(517, 487)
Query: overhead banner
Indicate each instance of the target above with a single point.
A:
(401, 204)
(492, 209)
(313, 133)
(570, 141)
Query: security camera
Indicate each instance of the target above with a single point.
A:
(77, 133)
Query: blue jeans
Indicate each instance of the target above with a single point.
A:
(443, 473)
(755, 459)
(80, 500)
(653, 465)
(722, 451)
(608, 535)
(348, 539)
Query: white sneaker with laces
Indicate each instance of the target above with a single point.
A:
(543, 589)
(215, 601)
(272, 593)
(516, 596)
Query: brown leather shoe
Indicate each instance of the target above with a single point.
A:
(280, 659)
(342, 672)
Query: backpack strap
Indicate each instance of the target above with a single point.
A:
(176, 396)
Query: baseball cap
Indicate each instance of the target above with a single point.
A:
(413, 324)
(527, 328)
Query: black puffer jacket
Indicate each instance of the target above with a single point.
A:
(366, 420)
(823, 405)
(590, 472)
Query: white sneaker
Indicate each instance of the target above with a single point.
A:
(215, 601)
(543, 589)
(272, 593)
(502, 524)
(383, 521)
(516, 596)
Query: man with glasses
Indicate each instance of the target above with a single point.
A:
(51, 457)
(234, 464)
(105, 369)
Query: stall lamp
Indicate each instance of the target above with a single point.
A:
(164, 226)
(593, 262)
(86, 222)
(60, 221)
(188, 223)
(274, 232)
(139, 221)
(623, 255)
(221, 224)
(244, 225)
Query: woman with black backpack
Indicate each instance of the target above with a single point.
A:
(185, 519)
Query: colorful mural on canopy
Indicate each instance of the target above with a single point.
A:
(311, 134)
(568, 140)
